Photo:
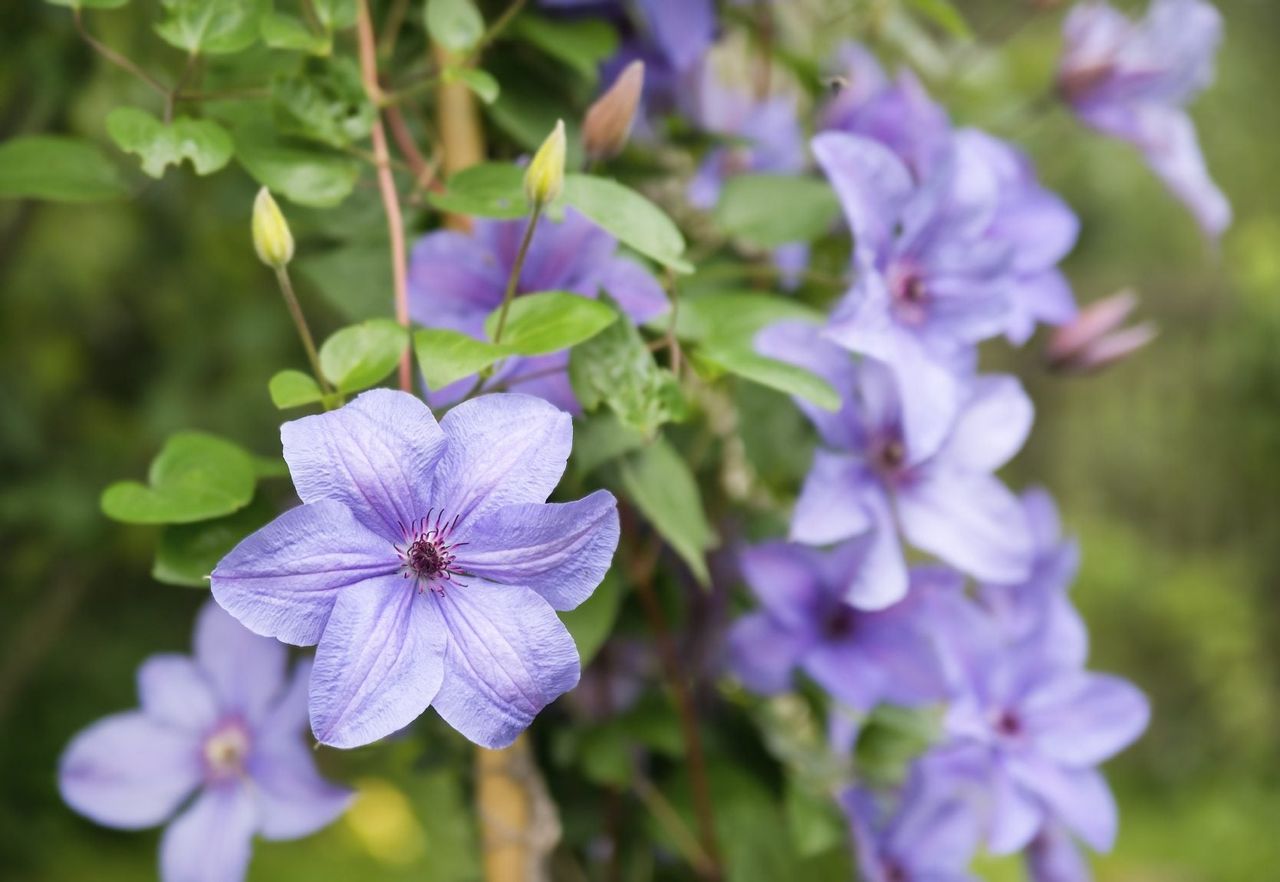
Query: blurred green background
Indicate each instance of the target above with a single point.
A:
(122, 323)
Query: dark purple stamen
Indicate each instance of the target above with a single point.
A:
(429, 557)
(840, 622)
(1008, 724)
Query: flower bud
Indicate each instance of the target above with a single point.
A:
(271, 237)
(544, 178)
(607, 124)
(1096, 338)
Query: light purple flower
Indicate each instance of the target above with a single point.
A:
(930, 836)
(224, 726)
(929, 282)
(879, 471)
(426, 564)
(1053, 856)
(1132, 79)
(456, 280)
(808, 620)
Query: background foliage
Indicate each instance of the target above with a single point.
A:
(121, 323)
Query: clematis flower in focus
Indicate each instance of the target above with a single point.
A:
(426, 564)
(456, 279)
(217, 742)
(1132, 80)
(811, 620)
(877, 471)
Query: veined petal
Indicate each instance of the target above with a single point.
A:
(282, 580)
(246, 670)
(376, 456)
(560, 550)
(175, 692)
(502, 449)
(508, 657)
(379, 663)
(129, 771)
(212, 840)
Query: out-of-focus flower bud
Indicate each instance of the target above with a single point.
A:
(1096, 338)
(607, 125)
(544, 178)
(271, 237)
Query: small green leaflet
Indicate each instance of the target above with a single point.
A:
(290, 388)
(630, 217)
(446, 356)
(549, 321)
(478, 81)
(490, 189)
(58, 169)
(315, 178)
(210, 27)
(280, 31)
(195, 477)
(658, 481)
(771, 210)
(202, 141)
(454, 24)
(359, 356)
(187, 553)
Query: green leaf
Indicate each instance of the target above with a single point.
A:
(772, 210)
(944, 14)
(591, 623)
(359, 356)
(280, 31)
(446, 356)
(737, 315)
(454, 24)
(195, 477)
(58, 169)
(187, 553)
(89, 4)
(328, 105)
(291, 388)
(549, 321)
(210, 27)
(302, 175)
(354, 278)
(336, 15)
(580, 44)
(630, 217)
(616, 369)
(658, 481)
(490, 189)
(478, 81)
(742, 360)
(600, 438)
(202, 141)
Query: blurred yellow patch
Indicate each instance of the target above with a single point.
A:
(383, 821)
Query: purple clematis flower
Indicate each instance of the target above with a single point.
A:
(878, 470)
(930, 837)
(456, 280)
(224, 725)
(426, 564)
(1026, 733)
(1132, 79)
(1053, 856)
(861, 657)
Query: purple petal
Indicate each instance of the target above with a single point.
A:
(880, 576)
(129, 771)
(763, 654)
(1170, 145)
(936, 831)
(246, 670)
(1055, 857)
(212, 840)
(559, 550)
(992, 425)
(831, 506)
(803, 345)
(379, 663)
(375, 455)
(1082, 719)
(683, 29)
(970, 521)
(508, 657)
(282, 580)
(634, 289)
(1040, 297)
(174, 691)
(845, 673)
(503, 449)
(1015, 815)
(786, 579)
(453, 280)
(562, 256)
(1079, 798)
(872, 183)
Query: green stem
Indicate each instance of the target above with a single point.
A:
(513, 280)
(115, 57)
(300, 322)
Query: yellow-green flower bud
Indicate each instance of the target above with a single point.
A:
(544, 178)
(607, 124)
(271, 237)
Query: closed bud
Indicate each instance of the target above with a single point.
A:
(544, 178)
(1097, 337)
(607, 125)
(271, 237)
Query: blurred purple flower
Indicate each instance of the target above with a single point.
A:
(930, 837)
(1132, 79)
(225, 725)
(861, 657)
(877, 470)
(1097, 337)
(425, 564)
(1053, 856)
(456, 280)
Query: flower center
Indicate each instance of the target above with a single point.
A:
(895, 872)
(429, 554)
(891, 455)
(1008, 724)
(225, 750)
(840, 622)
(910, 295)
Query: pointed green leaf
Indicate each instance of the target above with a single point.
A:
(454, 24)
(737, 315)
(490, 189)
(478, 81)
(944, 14)
(359, 356)
(630, 217)
(581, 44)
(308, 177)
(195, 477)
(291, 388)
(772, 210)
(280, 31)
(187, 553)
(210, 27)
(745, 362)
(205, 143)
(446, 356)
(549, 321)
(659, 483)
(58, 169)
(336, 15)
